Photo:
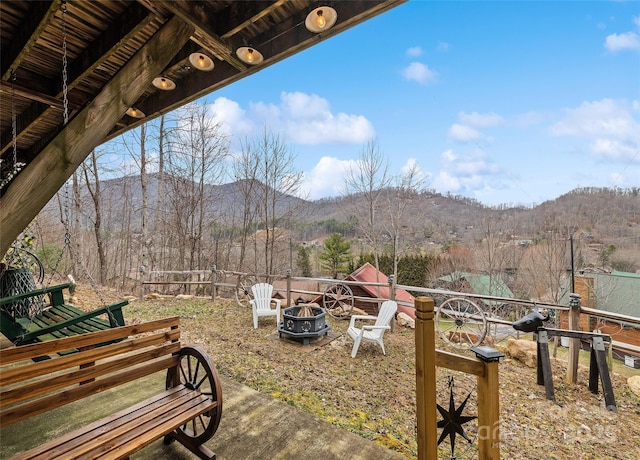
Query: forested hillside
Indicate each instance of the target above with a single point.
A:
(248, 226)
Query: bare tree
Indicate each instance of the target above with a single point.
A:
(245, 170)
(138, 152)
(198, 147)
(407, 187)
(77, 224)
(546, 264)
(276, 182)
(158, 227)
(366, 180)
(92, 179)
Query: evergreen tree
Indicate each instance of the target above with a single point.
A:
(336, 254)
(304, 261)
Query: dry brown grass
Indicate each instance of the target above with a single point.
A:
(374, 395)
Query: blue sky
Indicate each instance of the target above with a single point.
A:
(504, 102)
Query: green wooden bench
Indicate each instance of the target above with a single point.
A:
(186, 408)
(57, 321)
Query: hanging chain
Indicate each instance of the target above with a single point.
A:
(14, 124)
(74, 255)
(13, 170)
(67, 234)
(65, 210)
(65, 97)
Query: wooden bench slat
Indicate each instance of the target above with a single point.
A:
(84, 437)
(156, 399)
(15, 374)
(156, 428)
(58, 382)
(14, 414)
(30, 351)
(143, 429)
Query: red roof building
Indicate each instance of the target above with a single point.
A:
(367, 274)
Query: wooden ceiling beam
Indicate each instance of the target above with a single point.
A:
(21, 91)
(253, 11)
(277, 44)
(40, 15)
(30, 191)
(191, 88)
(131, 22)
(198, 17)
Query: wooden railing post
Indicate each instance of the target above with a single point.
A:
(214, 281)
(142, 273)
(392, 287)
(392, 295)
(426, 379)
(574, 344)
(289, 299)
(489, 413)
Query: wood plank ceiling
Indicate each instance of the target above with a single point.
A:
(83, 45)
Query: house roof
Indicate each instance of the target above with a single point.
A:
(367, 274)
(482, 284)
(310, 287)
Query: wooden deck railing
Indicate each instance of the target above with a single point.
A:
(486, 372)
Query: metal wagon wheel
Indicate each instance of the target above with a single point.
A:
(461, 323)
(338, 301)
(243, 290)
(197, 372)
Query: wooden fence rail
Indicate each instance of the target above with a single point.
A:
(219, 280)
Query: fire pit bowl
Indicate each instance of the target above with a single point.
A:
(306, 326)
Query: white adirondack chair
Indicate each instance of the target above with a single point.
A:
(261, 303)
(375, 332)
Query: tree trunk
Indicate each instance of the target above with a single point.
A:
(97, 223)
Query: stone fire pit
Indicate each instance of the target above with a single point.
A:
(304, 322)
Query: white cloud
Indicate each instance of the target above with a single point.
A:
(327, 178)
(480, 120)
(636, 21)
(232, 117)
(445, 182)
(470, 173)
(419, 72)
(529, 119)
(300, 106)
(463, 133)
(466, 130)
(412, 166)
(414, 51)
(608, 125)
(442, 47)
(301, 118)
(624, 41)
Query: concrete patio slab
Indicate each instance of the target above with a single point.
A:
(254, 426)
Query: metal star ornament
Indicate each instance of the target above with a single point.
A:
(452, 420)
